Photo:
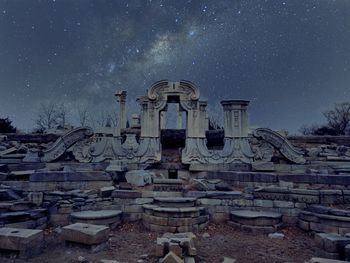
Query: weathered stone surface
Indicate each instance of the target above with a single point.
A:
(27, 241)
(171, 257)
(60, 176)
(276, 235)
(88, 234)
(255, 218)
(139, 177)
(106, 191)
(36, 198)
(102, 217)
(228, 260)
(126, 194)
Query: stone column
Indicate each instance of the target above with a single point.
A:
(121, 98)
(237, 147)
(178, 117)
(235, 118)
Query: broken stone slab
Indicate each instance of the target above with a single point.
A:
(27, 242)
(87, 234)
(8, 151)
(111, 218)
(171, 257)
(139, 177)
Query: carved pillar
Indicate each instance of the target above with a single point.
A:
(237, 147)
(178, 117)
(203, 118)
(235, 118)
(121, 98)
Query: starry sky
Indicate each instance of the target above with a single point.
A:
(290, 58)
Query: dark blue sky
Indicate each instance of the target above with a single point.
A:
(290, 58)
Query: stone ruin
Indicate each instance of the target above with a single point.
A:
(174, 181)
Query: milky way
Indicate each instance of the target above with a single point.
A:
(290, 58)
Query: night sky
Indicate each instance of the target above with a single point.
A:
(290, 58)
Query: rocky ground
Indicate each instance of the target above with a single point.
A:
(132, 243)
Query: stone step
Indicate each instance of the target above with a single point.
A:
(111, 218)
(174, 219)
(256, 221)
(162, 184)
(175, 201)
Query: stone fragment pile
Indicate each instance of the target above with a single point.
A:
(178, 248)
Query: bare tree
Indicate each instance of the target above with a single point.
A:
(51, 115)
(83, 115)
(47, 116)
(62, 115)
(338, 118)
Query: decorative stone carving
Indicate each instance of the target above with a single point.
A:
(64, 142)
(235, 150)
(280, 143)
(102, 148)
(263, 151)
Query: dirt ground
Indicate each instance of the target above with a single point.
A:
(132, 243)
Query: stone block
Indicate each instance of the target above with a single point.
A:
(331, 197)
(283, 204)
(133, 209)
(87, 234)
(304, 225)
(111, 218)
(335, 243)
(209, 201)
(228, 260)
(319, 240)
(126, 194)
(59, 219)
(106, 191)
(61, 176)
(175, 248)
(142, 201)
(263, 203)
(139, 177)
(28, 242)
(161, 245)
(29, 224)
(317, 227)
(36, 198)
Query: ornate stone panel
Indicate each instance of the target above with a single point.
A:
(280, 143)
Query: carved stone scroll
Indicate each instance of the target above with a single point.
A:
(280, 143)
(64, 142)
